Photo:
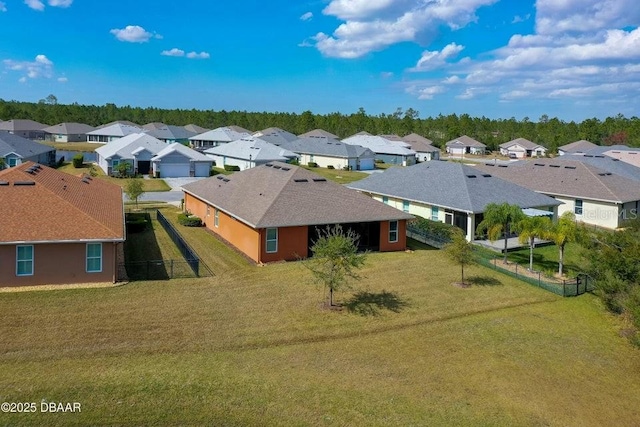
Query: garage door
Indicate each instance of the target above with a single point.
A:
(366, 164)
(174, 170)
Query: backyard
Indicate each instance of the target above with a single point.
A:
(252, 346)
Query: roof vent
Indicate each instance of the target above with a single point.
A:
(301, 180)
(588, 155)
(599, 157)
(24, 183)
(286, 169)
(277, 167)
(319, 180)
(85, 180)
(615, 160)
(502, 166)
(486, 175)
(471, 176)
(225, 180)
(569, 167)
(269, 165)
(554, 166)
(538, 164)
(4, 182)
(220, 177)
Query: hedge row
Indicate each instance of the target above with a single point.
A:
(189, 220)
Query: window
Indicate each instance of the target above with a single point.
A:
(24, 260)
(385, 200)
(216, 217)
(12, 162)
(94, 257)
(115, 163)
(578, 208)
(393, 231)
(434, 213)
(405, 206)
(272, 240)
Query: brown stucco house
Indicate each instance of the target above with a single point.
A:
(57, 228)
(273, 212)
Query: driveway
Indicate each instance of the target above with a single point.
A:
(177, 183)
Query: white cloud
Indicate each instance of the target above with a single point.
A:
(306, 16)
(3, 6)
(372, 25)
(195, 55)
(40, 67)
(132, 34)
(386, 74)
(173, 52)
(63, 79)
(427, 92)
(517, 19)
(431, 60)
(60, 3)
(35, 4)
(584, 16)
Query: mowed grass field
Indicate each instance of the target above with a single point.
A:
(149, 185)
(252, 346)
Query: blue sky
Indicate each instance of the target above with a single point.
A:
(572, 59)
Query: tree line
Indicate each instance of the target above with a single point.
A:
(547, 131)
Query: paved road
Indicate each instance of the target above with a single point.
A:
(174, 196)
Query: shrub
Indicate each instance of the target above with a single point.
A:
(213, 163)
(379, 161)
(189, 220)
(231, 168)
(213, 171)
(294, 161)
(136, 222)
(312, 164)
(434, 229)
(330, 167)
(78, 160)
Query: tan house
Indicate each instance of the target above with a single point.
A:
(465, 145)
(58, 228)
(520, 148)
(273, 212)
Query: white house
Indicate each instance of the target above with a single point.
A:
(520, 148)
(465, 145)
(327, 152)
(112, 133)
(393, 152)
(217, 136)
(177, 160)
(137, 149)
(249, 152)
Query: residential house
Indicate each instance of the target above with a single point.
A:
(177, 160)
(594, 195)
(449, 192)
(275, 136)
(68, 132)
(216, 137)
(423, 147)
(196, 129)
(169, 133)
(15, 150)
(576, 147)
(387, 151)
(321, 133)
(112, 133)
(465, 145)
(25, 128)
(520, 148)
(331, 153)
(273, 212)
(631, 157)
(249, 152)
(136, 149)
(76, 237)
(610, 164)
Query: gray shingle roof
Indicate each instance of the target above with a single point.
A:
(450, 185)
(380, 145)
(282, 195)
(414, 137)
(195, 128)
(581, 146)
(69, 128)
(25, 148)
(116, 129)
(569, 178)
(465, 141)
(525, 143)
(275, 136)
(608, 164)
(319, 132)
(190, 153)
(221, 134)
(252, 148)
(124, 147)
(327, 147)
(170, 132)
(21, 124)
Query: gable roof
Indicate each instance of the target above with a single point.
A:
(77, 208)
(221, 134)
(275, 136)
(69, 128)
(319, 132)
(168, 132)
(252, 148)
(239, 129)
(608, 164)
(631, 157)
(414, 137)
(23, 147)
(21, 124)
(450, 185)
(380, 145)
(282, 195)
(176, 147)
(569, 178)
(419, 144)
(522, 142)
(195, 128)
(126, 146)
(116, 129)
(327, 147)
(465, 141)
(581, 146)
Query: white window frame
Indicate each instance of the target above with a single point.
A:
(435, 213)
(216, 217)
(30, 260)
(267, 241)
(579, 207)
(393, 232)
(87, 258)
(406, 205)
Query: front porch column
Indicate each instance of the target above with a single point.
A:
(471, 227)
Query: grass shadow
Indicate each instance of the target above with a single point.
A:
(372, 303)
(484, 281)
(415, 245)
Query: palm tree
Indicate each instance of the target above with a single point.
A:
(497, 221)
(531, 228)
(563, 232)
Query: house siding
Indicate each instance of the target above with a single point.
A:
(58, 264)
(292, 244)
(401, 244)
(601, 214)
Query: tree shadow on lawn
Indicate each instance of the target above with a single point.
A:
(371, 303)
(483, 281)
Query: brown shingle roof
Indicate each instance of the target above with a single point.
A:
(58, 207)
(283, 195)
(568, 178)
(581, 146)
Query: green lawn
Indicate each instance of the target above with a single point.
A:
(74, 146)
(337, 175)
(252, 346)
(150, 185)
(545, 259)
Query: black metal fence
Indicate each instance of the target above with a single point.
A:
(190, 256)
(437, 241)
